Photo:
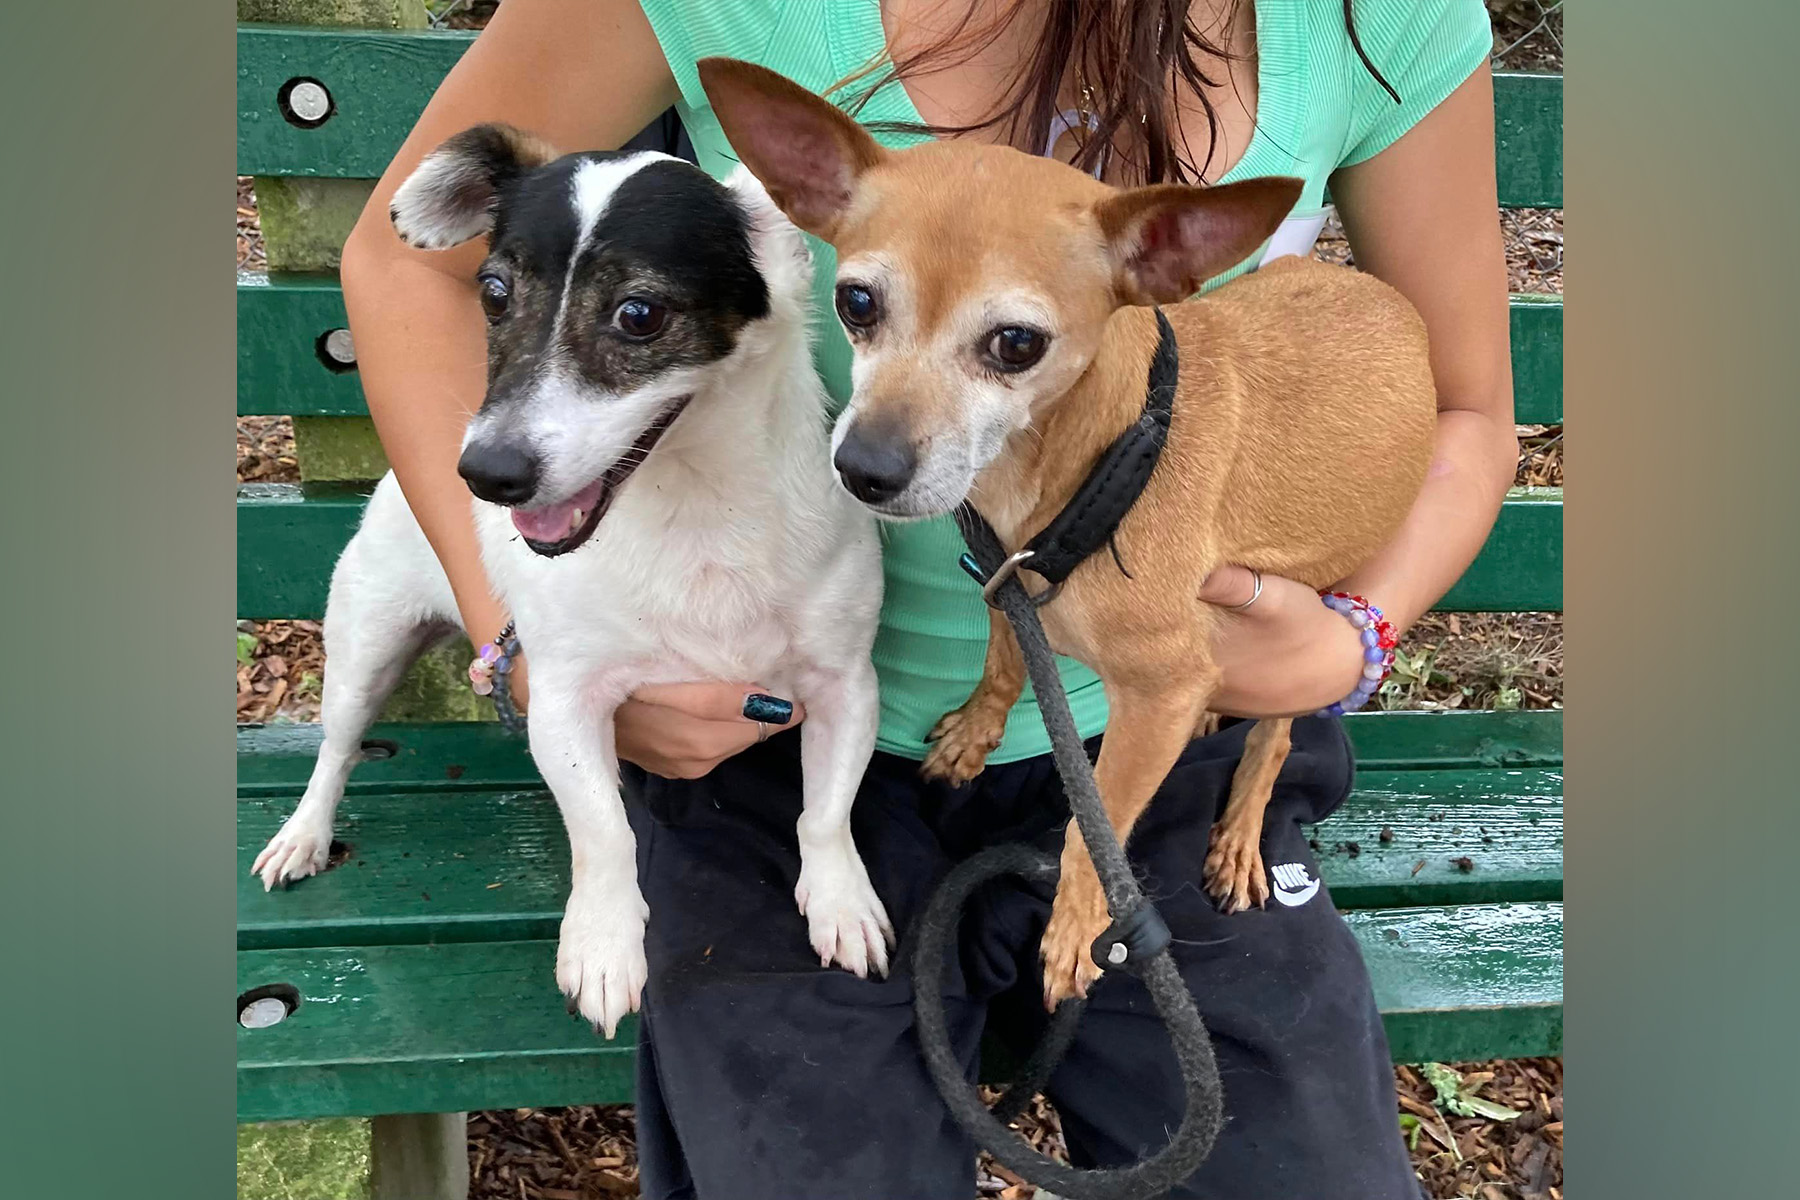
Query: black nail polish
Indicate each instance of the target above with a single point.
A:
(767, 710)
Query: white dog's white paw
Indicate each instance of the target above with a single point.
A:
(300, 848)
(600, 958)
(845, 920)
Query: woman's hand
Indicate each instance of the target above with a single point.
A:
(1286, 655)
(684, 730)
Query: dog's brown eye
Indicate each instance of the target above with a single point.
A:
(1016, 347)
(856, 306)
(495, 296)
(640, 318)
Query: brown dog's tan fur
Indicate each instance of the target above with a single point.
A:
(1303, 424)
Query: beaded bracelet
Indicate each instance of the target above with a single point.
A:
(488, 672)
(1378, 641)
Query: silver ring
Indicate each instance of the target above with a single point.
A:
(1254, 596)
(762, 733)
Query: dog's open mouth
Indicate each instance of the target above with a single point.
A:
(559, 528)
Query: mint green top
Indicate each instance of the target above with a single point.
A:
(1317, 110)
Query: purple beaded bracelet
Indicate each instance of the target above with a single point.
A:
(488, 672)
(1378, 641)
(494, 658)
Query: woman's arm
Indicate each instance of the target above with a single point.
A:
(583, 75)
(1422, 216)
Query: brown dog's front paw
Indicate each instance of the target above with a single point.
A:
(1234, 874)
(1077, 917)
(961, 742)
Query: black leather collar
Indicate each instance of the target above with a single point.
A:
(1093, 514)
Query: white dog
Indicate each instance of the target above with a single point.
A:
(649, 363)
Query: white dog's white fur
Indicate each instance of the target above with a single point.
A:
(732, 554)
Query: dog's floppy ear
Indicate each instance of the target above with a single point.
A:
(806, 151)
(1168, 239)
(449, 197)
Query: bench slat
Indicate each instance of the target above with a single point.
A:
(282, 317)
(1536, 324)
(459, 1027)
(463, 756)
(493, 866)
(1520, 565)
(380, 82)
(290, 535)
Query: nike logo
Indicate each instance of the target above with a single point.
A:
(1294, 885)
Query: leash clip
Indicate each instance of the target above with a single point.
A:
(991, 584)
(1132, 940)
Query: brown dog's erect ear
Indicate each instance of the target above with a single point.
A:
(1170, 238)
(803, 149)
(449, 197)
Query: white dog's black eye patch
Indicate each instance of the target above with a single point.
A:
(589, 232)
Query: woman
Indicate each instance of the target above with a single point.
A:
(761, 1074)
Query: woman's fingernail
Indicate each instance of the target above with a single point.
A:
(767, 710)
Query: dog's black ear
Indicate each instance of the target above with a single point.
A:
(1169, 238)
(803, 149)
(449, 197)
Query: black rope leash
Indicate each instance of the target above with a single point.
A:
(1137, 941)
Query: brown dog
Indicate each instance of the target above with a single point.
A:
(999, 308)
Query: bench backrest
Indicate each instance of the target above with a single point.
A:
(335, 105)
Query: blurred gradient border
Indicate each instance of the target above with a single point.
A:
(1681, 167)
(117, 324)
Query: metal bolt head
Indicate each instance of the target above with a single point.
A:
(310, 101)
(339, 347)
(260, 1014)
(1117, 954)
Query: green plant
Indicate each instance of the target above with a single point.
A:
(246, 648)
(1459, 1096)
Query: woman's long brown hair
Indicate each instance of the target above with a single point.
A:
(1132, 56)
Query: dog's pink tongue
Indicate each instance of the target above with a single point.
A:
(554, 522)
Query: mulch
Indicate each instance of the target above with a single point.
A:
(589, 1153)
(1527, 35)
(280, 667)
(1519, 1159)
(251, 254)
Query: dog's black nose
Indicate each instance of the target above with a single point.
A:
(875, 466)
(499, 472)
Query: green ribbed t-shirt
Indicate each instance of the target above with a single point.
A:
(1317, 110)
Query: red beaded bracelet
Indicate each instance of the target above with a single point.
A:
(1378, 640)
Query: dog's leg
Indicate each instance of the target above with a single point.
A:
(1150, 722)
(845, 918)
(1234, 872)
(600, 954)
(962, 739)
(371, 637)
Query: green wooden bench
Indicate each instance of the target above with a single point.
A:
(421, 963)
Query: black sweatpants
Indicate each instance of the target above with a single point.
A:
(763, 1076)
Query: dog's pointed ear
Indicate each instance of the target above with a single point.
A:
(449, 197)
(1168, 239)
(804, 150)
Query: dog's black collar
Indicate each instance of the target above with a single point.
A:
(1093, 514)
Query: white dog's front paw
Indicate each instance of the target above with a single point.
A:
(600, 958)
(300, 848)
(844, 917)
